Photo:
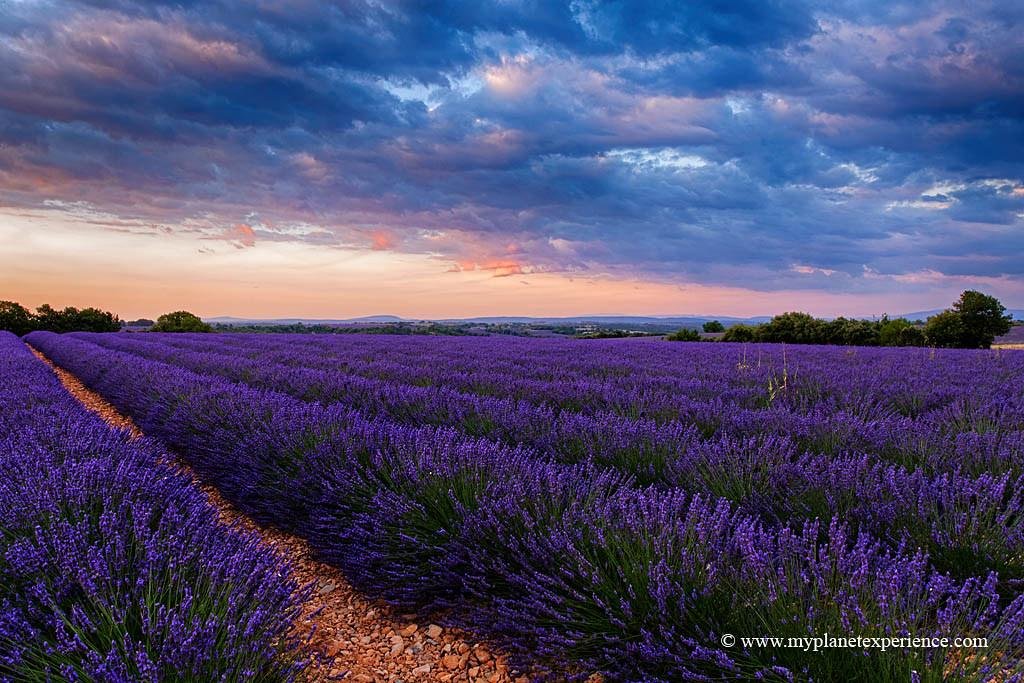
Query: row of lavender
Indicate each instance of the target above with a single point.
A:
(646, 579)
(965, 410)
(962, 499)
(629, 377)
(113, 566)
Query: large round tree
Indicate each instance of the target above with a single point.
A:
(984, 319)
(973, 322)
(180, 321)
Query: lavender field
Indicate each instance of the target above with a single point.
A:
(113, 566)
(612, 506)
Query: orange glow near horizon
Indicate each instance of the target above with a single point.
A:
(65, 262)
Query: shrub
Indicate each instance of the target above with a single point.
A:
(851, 332)
(945, 330)
(740, 333)
(684, 334)
(94, 320)
(713, 326)
(899, 332)
(578, 563)
(794, 328)
(114, 566)
(180, 321)
(910, 336)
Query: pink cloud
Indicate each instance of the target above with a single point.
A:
(240, 235)
(498, 267)
(382, 240)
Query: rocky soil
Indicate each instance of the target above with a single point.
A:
(346, 635)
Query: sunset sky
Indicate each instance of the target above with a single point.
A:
(296, 158)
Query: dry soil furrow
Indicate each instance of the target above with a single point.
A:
(347, 636)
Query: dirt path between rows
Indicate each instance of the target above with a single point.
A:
(348, 636)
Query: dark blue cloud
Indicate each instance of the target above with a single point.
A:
(793, 144)
(994, 202)
(718, 70)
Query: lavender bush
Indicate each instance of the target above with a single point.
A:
(114, 567)
(898, 477)
(624, 507)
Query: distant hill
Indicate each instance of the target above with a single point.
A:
(680, 321)
(616, 320)
(228, 320)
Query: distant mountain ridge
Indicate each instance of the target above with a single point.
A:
(230, 320)
(625, 320)
(494, 320)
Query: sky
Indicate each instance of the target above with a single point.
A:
(299, 158)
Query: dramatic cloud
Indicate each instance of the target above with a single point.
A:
(837, 147)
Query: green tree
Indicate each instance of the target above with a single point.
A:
(740, 333)
(94, 320)
(889, 331)
(684, 334)
(71, 319)
(983, 317)
(851, 332)
(16, 318)
(974, 321)
(794, 328)
(50, 319)
(911, 336)
(713, 326)
(945, 330)
(180, 321)
(899, 332)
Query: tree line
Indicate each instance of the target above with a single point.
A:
(19, 320)
(972, 322)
